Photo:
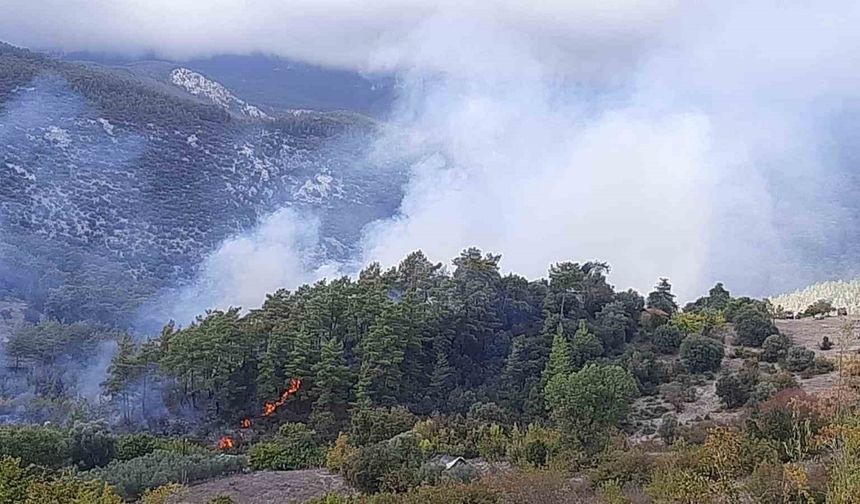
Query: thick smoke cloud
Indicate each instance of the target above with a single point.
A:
(699, 141)
(281, 252)
(370, 35)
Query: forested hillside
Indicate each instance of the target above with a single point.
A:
(561, 385)
(115, 185)
(840, 294)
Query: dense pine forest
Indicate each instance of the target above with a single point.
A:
(424, 383)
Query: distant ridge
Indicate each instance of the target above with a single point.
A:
(841, 293)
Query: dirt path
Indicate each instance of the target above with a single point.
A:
(267, 487)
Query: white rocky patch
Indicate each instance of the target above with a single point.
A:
(192, 140)
(58, 136)
(198, 85)
(20, 170)
(106, 125)
(319, 188)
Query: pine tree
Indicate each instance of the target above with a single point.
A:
(586, 346)
(559, 362)
(301, 358)
(123, 370)
(441, 379)
(332, 376)
(381, 353)
(661, 297)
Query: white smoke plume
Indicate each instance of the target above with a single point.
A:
(281, 252)
(702, 141)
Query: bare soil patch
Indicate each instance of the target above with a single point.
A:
(267, 487)
(809, 333)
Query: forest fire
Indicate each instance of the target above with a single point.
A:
(271, 407)
(246, 423)
(225, 443)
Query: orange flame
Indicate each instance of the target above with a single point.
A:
(225, 443)
(246, 423)
(270, 407)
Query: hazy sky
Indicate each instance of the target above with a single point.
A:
(702, 141)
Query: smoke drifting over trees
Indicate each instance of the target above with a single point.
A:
(692, 143)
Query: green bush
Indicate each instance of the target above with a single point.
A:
(452, 493)
(700, 354)
(823, 365)
(774, 348)
(42, 446)
(20, 483)
(131, 478)
(131, 446)
(622, 466)
(388, 465)
(278, 456)
(372, 425)
(752, 327)
(799, 359)
(668, 429)
(293, 448)
(492, 442)
(732, 391)
(91, 445)
(667, 338)
(820, 307)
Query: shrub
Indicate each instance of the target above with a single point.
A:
(700, 354)
(799, 359)
(668, 430)
(492, 442)
(704, 322)
(29, 484)
(91, 445)
(667, 338)
(732, 391)
(790, 420)
(488, 413)
(42, 446)
(388, 465)
(221, 499)
(184, 446)
(372, 425)
(131, 446)
(131, 478)
(773, 385)
(823, 365)
(534, 446)
(825, 344)
(452, 493)
(677, 393)
(162, 494)
(648, 370)
(337, 456)
(622, 466)
(752, 327)
(449, 435)
(279, 456)
(293, 448)
(820, 307)
(774, 348)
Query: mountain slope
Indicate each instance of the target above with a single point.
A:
(842, 294)
(109, 178)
